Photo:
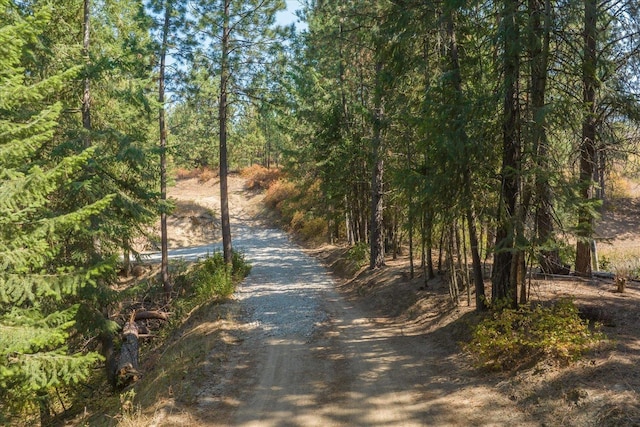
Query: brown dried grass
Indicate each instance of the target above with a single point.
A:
(203, 174)
(280, 191)
(260, 178)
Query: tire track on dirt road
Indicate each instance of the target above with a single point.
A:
(317, 359)
(309, 356)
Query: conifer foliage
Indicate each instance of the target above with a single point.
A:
(37, 313)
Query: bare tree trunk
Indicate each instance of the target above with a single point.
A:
(128, 371)
(348, 220)
(463, 277)
(412, 267)
(457, 86)
(478, 278)
(164, 264)
(224, 190)
(395, 233)
(539, 52)
(502, 287)
(466, 266)
(440, 249)
(588, 143)
(429, 245)
(377, 207)
(453, 274)
(86, 95)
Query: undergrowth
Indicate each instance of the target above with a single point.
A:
(210, 279)
(509, 339)
(203, 174)
(358, 254)
(260, 178)
(296, 205)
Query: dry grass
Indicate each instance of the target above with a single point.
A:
(203, 174)
(280, 191)
(617, 186)
(314, 230)
(260, 178)
(207, 175)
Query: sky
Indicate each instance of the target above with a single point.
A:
(288, 16)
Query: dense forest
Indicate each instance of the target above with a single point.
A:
(466, 133)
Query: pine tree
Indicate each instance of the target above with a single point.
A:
(36, 289)
(234, 37)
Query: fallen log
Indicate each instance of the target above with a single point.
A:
(152, 314)
(127, 372)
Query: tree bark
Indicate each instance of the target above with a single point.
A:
(539, 51)
(377, 206)
(127, 372)
(164, 264)
(588, 144)
(153, 314)
(467, 184)
(478, 279)
(222, 116)
(502, 286)
(86, 95)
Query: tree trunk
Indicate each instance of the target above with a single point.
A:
(502, 288)
(441, 250)
(224, 191)
(86, 95)
(348, 220)
(588, 144)
(453, 274)
(428, 240)
(127, 372)
(478, 278)
(164, 264)
(412, 267)
(377, 208)
(467, 184)
(467, 277)
(539, 52)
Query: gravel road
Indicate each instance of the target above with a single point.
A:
(308, 356)
(285, 287)
(311, 357)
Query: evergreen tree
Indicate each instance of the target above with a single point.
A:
(234, 38)
(37, 287)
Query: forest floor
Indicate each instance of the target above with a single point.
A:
(386, 351)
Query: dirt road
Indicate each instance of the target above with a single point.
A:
(309, 356)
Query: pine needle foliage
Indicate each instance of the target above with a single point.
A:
(36, 289)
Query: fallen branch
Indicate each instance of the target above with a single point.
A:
(127, 372)
(153, 314)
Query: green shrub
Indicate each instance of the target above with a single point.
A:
(240, 268)
(513, 338)
(212, 278)
(358, 254)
